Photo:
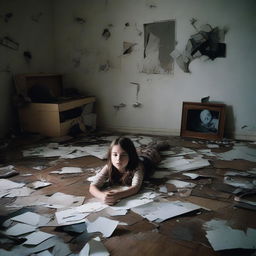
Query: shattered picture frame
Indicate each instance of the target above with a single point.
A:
(203, 120)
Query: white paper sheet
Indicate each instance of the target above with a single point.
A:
(179, 163)
(44, 253)
(181, 184)
(237, 173)
(30, 201)
(160, 211)
(50, 150)
(91, 207)
(7, 168)
(65, 170)
(239, 152)
(37, 238)
(20, 229)
(235, 182)
(206, 152)
(163, 189)
(31, 218)
(39, 184)
(19, 192)
(136, 200)
(223, 237)
(70, 216)
(99, 151)
(212, 145)
(6, 184)
(94, 248)
(104, 225)
(77, 214)
(191, 175)
(112, 212)
(61, 200)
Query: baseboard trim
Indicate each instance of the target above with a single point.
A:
(141, 130)
(246, 136)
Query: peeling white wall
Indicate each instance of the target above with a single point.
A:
(59, 43)
(31, 26)
(227, 80)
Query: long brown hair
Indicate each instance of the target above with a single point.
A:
(127, 145)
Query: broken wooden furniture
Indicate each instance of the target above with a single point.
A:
(49, 112)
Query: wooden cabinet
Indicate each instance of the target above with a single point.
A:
(46, 117)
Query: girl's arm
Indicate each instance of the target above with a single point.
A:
(100, 179)
(114, 195)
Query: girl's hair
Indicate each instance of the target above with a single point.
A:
(114, 175)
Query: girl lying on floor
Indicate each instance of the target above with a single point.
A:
(125, 166)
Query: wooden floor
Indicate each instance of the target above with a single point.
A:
(183, 235)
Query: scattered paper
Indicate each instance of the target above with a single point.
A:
(206, 152)
(191, 175)
(7, 171)
(160, 211)
(239, 152)
(31, 218)
(112, 212)
(163, 189)
(241, 183)
(61, 200)
(99, 151)
(40, 184)
(20, 229)
(6, 184)
(91, 207)
(17, 192)
(212, 145)
(94, 248)
(179, 163)
(103, 225)
(70, 216)
(223, 237)
(181, 184)
(44, 253)
(37, 238)
(136, 200)
(68, 170)
(50, 150)
(237, 173)
(78, 214)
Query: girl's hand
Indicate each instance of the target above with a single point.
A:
(111, 197)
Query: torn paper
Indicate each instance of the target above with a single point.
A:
(181, 184)
(160, 211)
(39, 184)
(31, 218)
(68, 170)
(94, 248)
(179, 163)
(239, 152)
(136, 200)
(104, 225)
(223, 237)
(61, 200)
(99, 151)
(20, 229)
(37, 237)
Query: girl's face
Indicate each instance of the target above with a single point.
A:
(119, 158)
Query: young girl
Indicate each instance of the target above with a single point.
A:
(125, 166)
